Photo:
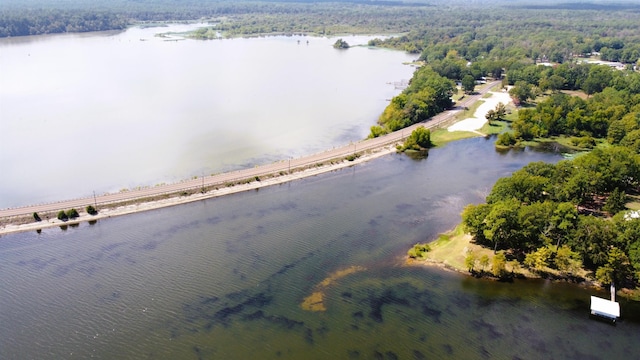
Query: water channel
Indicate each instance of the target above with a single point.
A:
(225, 278)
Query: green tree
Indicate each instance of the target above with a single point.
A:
(502, 224)
(340, 44)
(563, 222)
(91, 210)
(506, 139)
(419, 251)
(617, 268)
(377, 131)
(468, 84)
(484, 261)
(533, 226)
(491, 116)
(470, 261)
(521, 92)
(556, 83)
(616, 202)
(473, 221)
(599, 78)
(62, 216)
(496, 114)
(514, 265)
(499, 264)
(72, 213)
(619, 129)
(521, 186)
(419, 139)
(567, 261)
(592, 240)
(539, 259)
(500, 111)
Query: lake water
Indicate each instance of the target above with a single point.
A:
(225, 278)
(109, 111)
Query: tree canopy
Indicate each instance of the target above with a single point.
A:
(554, 215)
(427, 95)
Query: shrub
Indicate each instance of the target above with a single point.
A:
(340, 44)
(91, 210)
(72, 213)
(376, 131)
(585, 142)
(484, 261)
(62, 216)
(420, 138)
(506, 139)
(470, 261)
(499, 265)
(539, 259)
(418, 251)
(36, 217)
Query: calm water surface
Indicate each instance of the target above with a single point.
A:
(225, 278)
(109, 111)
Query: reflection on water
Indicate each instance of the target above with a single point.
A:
(225, 278)
(105, 112)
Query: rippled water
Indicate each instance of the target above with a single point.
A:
(225, 278)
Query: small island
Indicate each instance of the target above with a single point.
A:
(340, 44)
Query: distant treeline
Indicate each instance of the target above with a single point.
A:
(517, 33)
(34, 17)
(480, 29)
(58, 21)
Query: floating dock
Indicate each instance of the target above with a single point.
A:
(604, 308)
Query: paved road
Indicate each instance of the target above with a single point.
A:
(274, 168)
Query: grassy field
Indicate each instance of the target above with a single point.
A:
(494, 128)
(468, 112)
(440, 137)
(450, 249)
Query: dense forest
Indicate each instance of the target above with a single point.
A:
(573, 214)
(548, 218)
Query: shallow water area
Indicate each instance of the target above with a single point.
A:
(225, 278)
(117, 110)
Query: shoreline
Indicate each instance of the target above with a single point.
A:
(21, 219)
(24, 223)
(450, 248)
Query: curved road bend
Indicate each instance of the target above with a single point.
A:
(273, 168)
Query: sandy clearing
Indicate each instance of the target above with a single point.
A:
(478, 120)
